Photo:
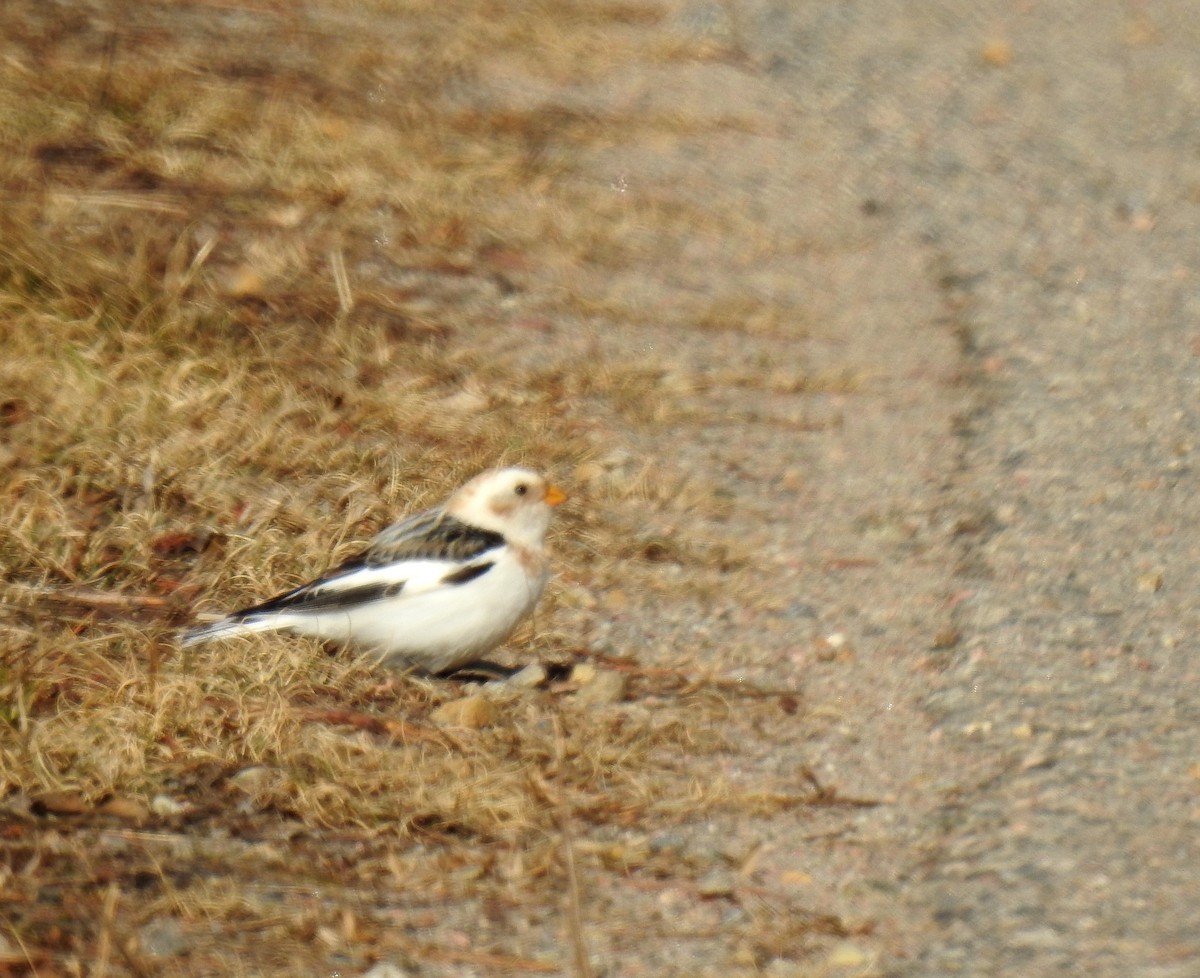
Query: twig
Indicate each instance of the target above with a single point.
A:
(849, 563)
(583, 965)
(133, 961)
(497, 962)
(829, 796)
(28, 954)
(341, 281)
(95, 599)
(399, 729)
(689, 683)
(105, 941)
(197, 262)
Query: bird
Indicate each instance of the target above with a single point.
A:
(431, 593)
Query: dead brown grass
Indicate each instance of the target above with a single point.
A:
(256, 269)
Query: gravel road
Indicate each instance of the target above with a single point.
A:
(1001, 209)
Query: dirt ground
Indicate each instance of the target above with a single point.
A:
(761, 287)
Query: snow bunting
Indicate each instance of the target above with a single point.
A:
(432, 592)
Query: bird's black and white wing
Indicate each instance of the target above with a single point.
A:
(427, 551)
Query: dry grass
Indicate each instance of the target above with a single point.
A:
(257, 280)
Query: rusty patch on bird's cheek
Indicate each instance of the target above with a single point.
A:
(503, 510)
(532, 562)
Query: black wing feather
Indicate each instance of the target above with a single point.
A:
(468, 573)
(431, 535)
(311, 597)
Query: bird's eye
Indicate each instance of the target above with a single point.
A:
(521, 489)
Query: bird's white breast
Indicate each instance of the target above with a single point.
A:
(439, 627)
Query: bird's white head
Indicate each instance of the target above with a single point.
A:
(514, 502)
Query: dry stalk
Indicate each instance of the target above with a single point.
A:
(105, 941)
(481, 959)
(397, 729)
(96, 599)
(574, 910)
(341, 281)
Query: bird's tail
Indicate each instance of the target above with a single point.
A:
(225, 628)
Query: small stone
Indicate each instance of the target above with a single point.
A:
(668, 843)
(1038, 938)
(615, 600)
(605, 687)
(532, 675)
(256, 779)
(162, 937)
(1142, 32)
(742, 852)
(1037, 759)
(164, 806)
(847, 955)
(626, 855)
(331, 937)
(574, 596)
(1149, 583)
(245, 282)
(290, 216)
(470, 400)
(833, 648)
(823, 651)
(470, 711)
(997, 53)
(583, 672)
(718, 883)
(385, 969)
(588, 472)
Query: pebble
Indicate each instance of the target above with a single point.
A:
(997, 53)
(603, 688)
(575, 596)
(385, 969)
(469, 711)
(626, 855)
(717, 883)
(165, 806)
(1038, 937)
(162, 937)
(1149, 583)
(847, 955)
(251, 780)
(532, 675)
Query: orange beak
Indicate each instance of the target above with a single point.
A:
(554, 496)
